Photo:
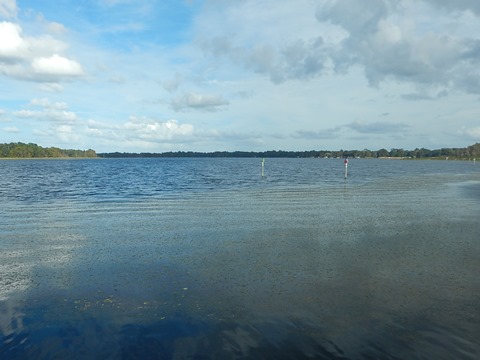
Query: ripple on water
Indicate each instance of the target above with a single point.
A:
(351, 270)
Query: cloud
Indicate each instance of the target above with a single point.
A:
(56, 65)
(353, 15)
(142, 129)
(378, 127)
(389, 47)
(17, 48)
(459, 5)
(45, 103)
(56, 112)
(12, 46)
(472, 132)
(147, 129)
(299, 59)
(56, 28)
(64, 133)
(195, 101)
(11, 129)
(415, 42)
(48, 114)
(173, 84)
(148, 133)
(263, 41)
(67, 134)
(8, 8)
(35, 58)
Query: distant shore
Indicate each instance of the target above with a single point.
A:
(33, 151)
(48, 158)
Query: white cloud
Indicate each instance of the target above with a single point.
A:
(45, 103)
(48, 114)
(61, 115)
(25, 113)
(16, 47)
(67, 133)
(11, 129)
(12, 46)
(195, 101)
(64, 133)
(35, 58)
(44, 46)
(56, 28)
(145, 130)
(56, 65)
(472, 132)
(8, 8)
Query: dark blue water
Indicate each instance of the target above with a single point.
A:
(205, 259)
(124, 179)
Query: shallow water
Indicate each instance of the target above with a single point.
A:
(202, 258)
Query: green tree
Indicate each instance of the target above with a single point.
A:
(383, 153)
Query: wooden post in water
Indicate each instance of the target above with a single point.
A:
(346, 168)
(263, 168)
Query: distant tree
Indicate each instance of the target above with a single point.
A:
(397, 153)
(474, 150)
(21, 150)
(471, 151)
(383, 153)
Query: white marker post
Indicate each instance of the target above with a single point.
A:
(346, 167)
(263, 167)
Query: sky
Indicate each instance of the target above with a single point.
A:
(248, 75)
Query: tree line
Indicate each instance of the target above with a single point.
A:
(24, 151)
(469, 152)
(21, 150)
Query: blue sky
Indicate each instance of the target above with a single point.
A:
(125, 75)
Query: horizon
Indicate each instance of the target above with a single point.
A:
(206, 76)
(468, 151)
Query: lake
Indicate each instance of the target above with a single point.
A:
(206, 259)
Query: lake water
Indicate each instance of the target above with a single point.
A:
(205, 259)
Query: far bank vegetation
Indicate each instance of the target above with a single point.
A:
(470, 152)
(26, 151)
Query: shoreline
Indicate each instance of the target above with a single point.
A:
(48, 158)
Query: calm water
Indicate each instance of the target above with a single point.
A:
(204, 259)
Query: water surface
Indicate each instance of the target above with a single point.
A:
(204, 258)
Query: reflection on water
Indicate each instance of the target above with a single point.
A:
(379, 269)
